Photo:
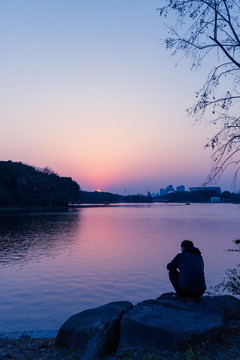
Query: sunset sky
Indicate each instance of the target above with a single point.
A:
(88, 91)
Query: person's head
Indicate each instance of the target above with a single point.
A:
(186, 244)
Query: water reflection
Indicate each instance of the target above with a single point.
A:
(56, 264)
(28, 236)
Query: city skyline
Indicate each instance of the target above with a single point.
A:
(170, 188)
(88, 91)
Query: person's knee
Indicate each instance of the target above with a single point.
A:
(173, 275)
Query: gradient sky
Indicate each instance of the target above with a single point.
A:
(87, 90)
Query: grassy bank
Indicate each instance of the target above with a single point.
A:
(26, 348)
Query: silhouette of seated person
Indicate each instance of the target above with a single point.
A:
(186, 271)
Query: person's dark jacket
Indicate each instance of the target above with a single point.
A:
(191, 267)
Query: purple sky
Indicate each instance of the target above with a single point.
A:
(88, 91)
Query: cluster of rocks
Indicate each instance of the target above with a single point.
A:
(161, 323)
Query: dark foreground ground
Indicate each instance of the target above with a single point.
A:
(26, 348)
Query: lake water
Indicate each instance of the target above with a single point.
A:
(54, 265)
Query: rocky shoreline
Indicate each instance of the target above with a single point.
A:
(157, 329)
(27, 348)
(164, 324)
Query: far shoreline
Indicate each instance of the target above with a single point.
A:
(36, 209)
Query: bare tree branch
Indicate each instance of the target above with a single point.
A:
(201, 27)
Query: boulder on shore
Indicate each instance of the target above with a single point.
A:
(162, 323)
(93, 333)
(167, 324)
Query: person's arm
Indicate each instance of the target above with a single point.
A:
(173, 265)
(202, 261)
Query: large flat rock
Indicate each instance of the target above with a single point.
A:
(167, 324)
(93, 333)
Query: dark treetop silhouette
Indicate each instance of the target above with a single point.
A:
(24, 185)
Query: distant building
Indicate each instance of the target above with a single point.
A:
(169, 188)
(204, 188)
(215, 199)
(162, 192)
(180, 188)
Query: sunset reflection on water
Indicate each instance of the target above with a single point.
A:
(57, 264)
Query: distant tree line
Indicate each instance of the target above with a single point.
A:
(96, 197)
(202, 196)
(24, 185)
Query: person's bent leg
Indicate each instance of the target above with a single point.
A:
(174, 278)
